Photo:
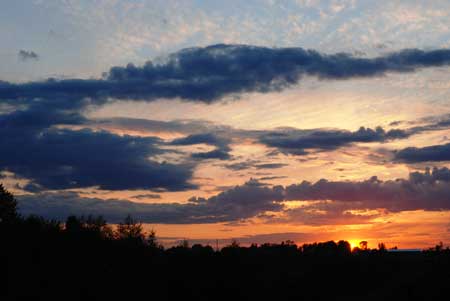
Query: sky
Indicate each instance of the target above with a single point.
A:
(258, 121)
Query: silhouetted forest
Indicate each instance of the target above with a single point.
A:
(84, 258)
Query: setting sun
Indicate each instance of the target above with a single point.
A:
(354, 243)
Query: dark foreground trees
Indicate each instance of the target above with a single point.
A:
(87, 259)
(8, 206)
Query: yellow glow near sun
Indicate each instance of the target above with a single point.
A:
(354, 243)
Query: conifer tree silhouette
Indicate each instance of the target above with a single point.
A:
(8, 206)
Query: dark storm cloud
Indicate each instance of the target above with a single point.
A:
(210, 73)
(25, 55)
(328, 202)
(300, 142)
(432, 153)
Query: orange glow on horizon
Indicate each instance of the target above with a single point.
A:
(353, 244)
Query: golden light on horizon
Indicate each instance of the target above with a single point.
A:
(354, 243)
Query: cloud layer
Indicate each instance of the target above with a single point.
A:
(211, 73)
(327, 202)
(299, 142)
(432, 153)
(48, 140)
(55, 158)
(238, 203)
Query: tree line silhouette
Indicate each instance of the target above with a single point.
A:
(85, 258)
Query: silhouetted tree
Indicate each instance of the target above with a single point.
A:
(201, 250)
(437, 248)
(152, 242)
(92, 225)
(36, 223)
(184, 244)
(8, 207)
(344, 247)
(73, 224)
(99, 226)
(35, 253)
(288, 242)
(234, 244)
(363, 245)
(130, 230)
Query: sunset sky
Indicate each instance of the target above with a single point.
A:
(259, 121)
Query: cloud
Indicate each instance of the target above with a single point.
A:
(240, 165)
(204, 74)
(55, 158)
(326, 202)
(214, 154)
(146, 196)
(205, 138)
(240, 202)
(40, 116)
(272, 178)
(187, 126)
(42, 107)
(358, 202)
(270, 165)
(36, 148)
(432, 153)
(253, 164)
(300, 142)
(210, 73)
(25, 55)
(429, 190)
(222, 145)
(285, 140)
